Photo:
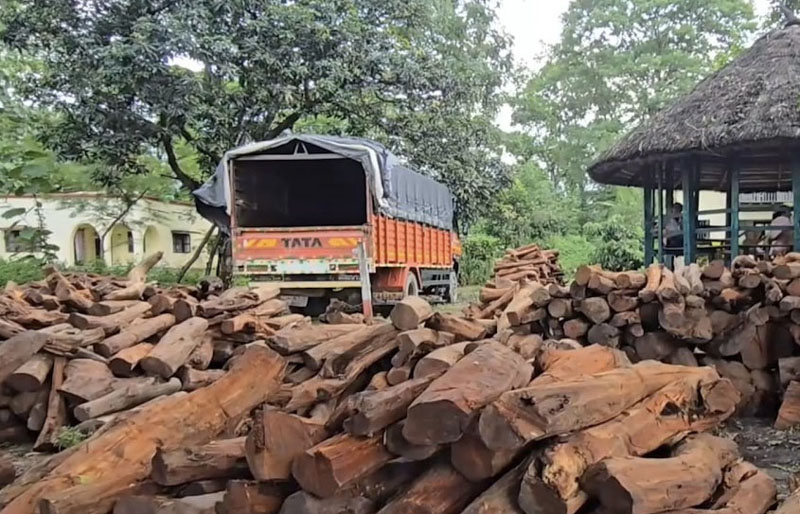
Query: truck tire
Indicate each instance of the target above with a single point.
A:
(412, 285)
(451, 294)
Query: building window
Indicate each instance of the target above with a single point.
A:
(181, 242)
(20, 240)
(130, 242)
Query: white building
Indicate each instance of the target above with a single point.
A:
(77, 221)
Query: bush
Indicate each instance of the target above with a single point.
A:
(480, 251)
(618, 245)
(574, 250)
(22, 270)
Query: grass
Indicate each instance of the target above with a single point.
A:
(466, 295)
(69, 437)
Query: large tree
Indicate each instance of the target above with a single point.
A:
(617, 63)
(132, 77)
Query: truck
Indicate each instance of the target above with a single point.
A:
(297, 208)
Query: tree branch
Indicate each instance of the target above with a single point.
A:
(287, 123)
(172, 159)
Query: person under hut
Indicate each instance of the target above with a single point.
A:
(780, 240)
(673, 228)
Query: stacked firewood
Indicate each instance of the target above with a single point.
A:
(81, 349)
(426, 413)
(743, 320)
(528, 262)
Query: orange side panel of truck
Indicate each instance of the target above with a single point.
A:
(406, 243)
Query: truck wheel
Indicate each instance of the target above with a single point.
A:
(412, 286)
(451, 294)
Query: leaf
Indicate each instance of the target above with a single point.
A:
(13, 213)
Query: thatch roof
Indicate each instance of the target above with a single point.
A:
(747, 113)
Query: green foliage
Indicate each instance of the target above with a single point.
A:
(618, 62)
(161, 275)
(617, 245)
(575, 250)
(22, 270)
(422, 76)
(68, 437)
(480, 250)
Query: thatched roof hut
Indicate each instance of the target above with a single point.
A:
(747, 114)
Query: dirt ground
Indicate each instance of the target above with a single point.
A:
(774, 451)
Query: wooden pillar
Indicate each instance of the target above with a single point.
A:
(796, 199)
(648, 223)
(660, 213)
(734, 210)
(689, 215)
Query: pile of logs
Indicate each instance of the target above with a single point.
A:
(743, 320)
(528, 262)
(230, 405)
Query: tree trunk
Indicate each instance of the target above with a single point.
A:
(276, 439)
(125, 397)
(123, 363)
(32, 375)
(293, 340)
(174, 348)
(338, 462)
(410, 313)
(219, 459)
(443, 411)
(112, 323)
(134, 333)
(566, 365)
(462, 329)
(18, 350)
(694, 404)
(440, 490)
(436, 363)
(339, 346)
(137, 278)
(86, 380)
(56, 411)
(375, 410)
(693, 473)
(91, 479)
(537, 412)
(196, 255)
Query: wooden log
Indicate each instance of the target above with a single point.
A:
(788, 370)
(249, 497)
(595, 309)
(790, 505)
(251, 321)
(540, 411)
(148, 504)
(105, 308)
(604, 334)
(85, 380)
(338, 462)
(201, 487)
(377, 382)
(56, 410)
(531, 295)
(219, 459)
(292, 340)
(185, 308)
(622, 300)
(682, 356)
(202, 356)
(276, 439)
(623, 319)
(667, 290)
(125, 398)
(656, 345)
(337, 348)
(302, 502)
(410, 312)
(440, 490)
(787, 271)
(321, 388)
(561, 365)
(630, 280)
(584, 273)
(500, 497)
(601, 284)
(789, 413)
(397, 444)
(123, 363)
(136, 280)
(192, 379)
(8, 471)
(714, 269)
(694, 472)
(696, 403)
(577, 291)
(174, 348)
(97, 473)
(134, 333)
(560, 308)
(38, 412)
(439, 361)
(470, 457)
(422, 340)
(32, 375)
(112, 323)
(22, 403)
(444, 410)
(558, 291)
(18, 350)
(576, 328)
(653, 276)
(462, 329)
(162, 303)
(375, 410)
(498, 304)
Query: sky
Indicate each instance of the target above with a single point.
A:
(535, 24)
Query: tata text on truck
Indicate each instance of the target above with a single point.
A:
(297, 207)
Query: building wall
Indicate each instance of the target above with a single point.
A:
(713, 200)
(151, 224)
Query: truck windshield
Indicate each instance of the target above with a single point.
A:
(299, 193)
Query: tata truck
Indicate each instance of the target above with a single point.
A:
(297, 208)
